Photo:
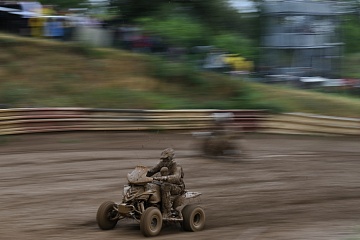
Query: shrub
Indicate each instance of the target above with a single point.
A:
(175, 72)
(235, 43)
(179, 31)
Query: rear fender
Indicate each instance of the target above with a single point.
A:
(187, 198)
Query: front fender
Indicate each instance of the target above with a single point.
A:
(155, 192)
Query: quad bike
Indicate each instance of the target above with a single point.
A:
(212, 144)
(141, 201)
(221, 140)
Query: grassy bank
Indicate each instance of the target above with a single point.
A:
(43, 73)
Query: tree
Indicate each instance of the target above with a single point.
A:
(64, 4)
(130, 10)
(218, 15)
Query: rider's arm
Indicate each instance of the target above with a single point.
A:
(154, 170)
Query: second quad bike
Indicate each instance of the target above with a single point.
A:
(212, 144)
(141, 201)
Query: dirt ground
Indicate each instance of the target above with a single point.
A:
(288, 187)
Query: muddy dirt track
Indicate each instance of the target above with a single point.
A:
(289, 187)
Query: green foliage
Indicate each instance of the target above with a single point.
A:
(130, 10)
(350, 65)
(175, 72)
(63, 4)
(235, 43)
(216, 90)
(178, 31)
(216, 15)
(351, 30)
(248, 97)
(187, 32)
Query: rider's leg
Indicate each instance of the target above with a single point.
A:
(168, 190)
(166, 200)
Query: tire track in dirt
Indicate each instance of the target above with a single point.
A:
(287, 189)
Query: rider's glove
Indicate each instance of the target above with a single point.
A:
(163, 178)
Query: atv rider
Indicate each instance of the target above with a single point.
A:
(224, 134)
(173, 183)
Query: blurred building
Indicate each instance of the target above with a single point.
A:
(301, 38)
(15, 15)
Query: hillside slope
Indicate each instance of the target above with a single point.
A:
(44, 73)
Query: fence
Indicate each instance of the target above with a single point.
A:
(36, 120)
(301, 123)
(41, 120)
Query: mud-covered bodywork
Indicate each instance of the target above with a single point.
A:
(141, 201)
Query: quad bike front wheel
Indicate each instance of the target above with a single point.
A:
(106, 216)
(151, 222)
(194, 218)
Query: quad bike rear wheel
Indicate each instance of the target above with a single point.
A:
(151, 222)
(106, 215)
(194, 218)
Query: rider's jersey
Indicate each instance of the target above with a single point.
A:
(176, 173)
